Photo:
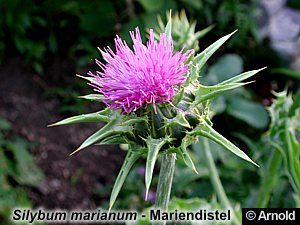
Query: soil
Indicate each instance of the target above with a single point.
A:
(71, 182)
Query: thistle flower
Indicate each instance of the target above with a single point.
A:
(152, 74)
(148, 74)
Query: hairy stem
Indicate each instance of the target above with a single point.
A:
(216, 182)
(165, 183)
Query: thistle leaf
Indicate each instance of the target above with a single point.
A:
(154, 145)
(202, 57)
(204, 93)
(182, 150)
(118, 125)
(113, 127)
(241, 77)
(203, 32)
(206, 130)
(86, 118)
(130, 159)
(178, 120)
(114, 140)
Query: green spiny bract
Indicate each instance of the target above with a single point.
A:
(183, 32)
(170, 128)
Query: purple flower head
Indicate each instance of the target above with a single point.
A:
(148, 74)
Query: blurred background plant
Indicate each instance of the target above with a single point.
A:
(56, 39)
(18, 171)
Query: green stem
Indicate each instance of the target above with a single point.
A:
(269, 179)
(165, 183)
(216, 182)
